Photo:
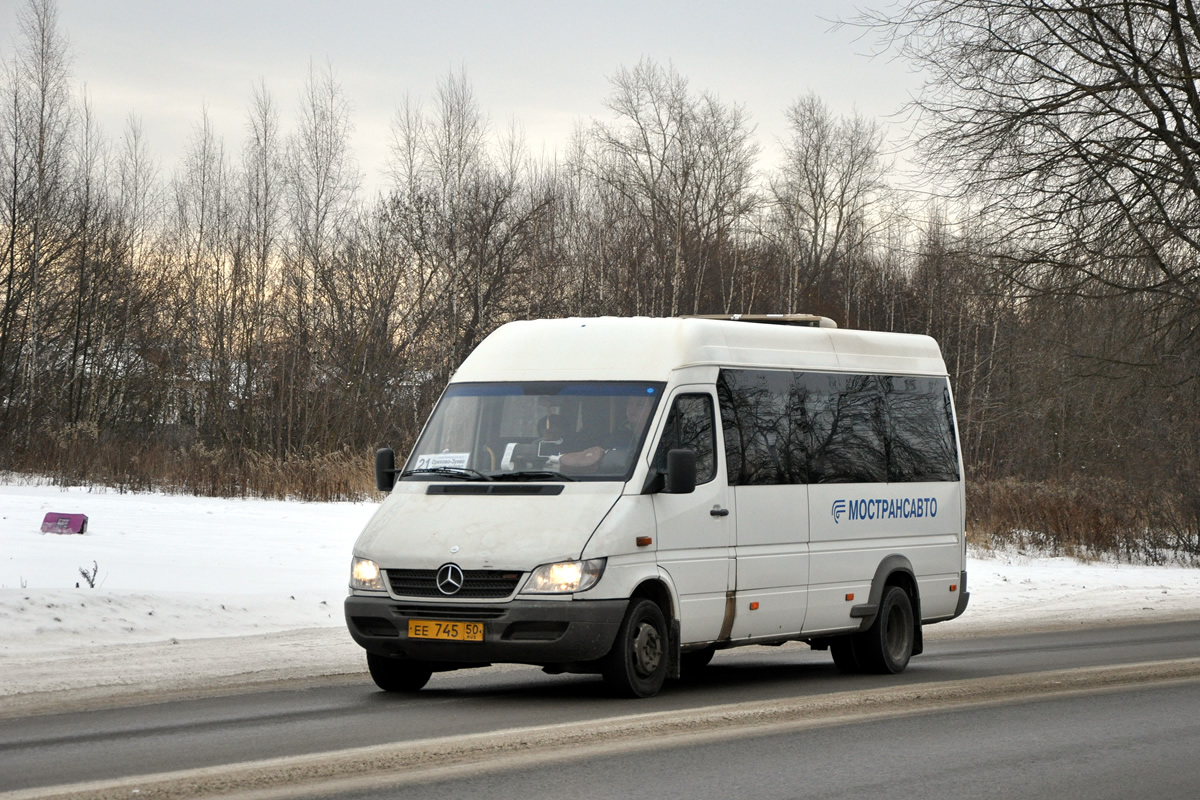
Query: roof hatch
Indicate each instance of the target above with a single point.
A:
(803, 320)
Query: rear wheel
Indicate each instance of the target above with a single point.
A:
(844, 656)
(887, 645)
(398, 674)
(637, 664)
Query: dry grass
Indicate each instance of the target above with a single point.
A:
(1084, 517)
(78, 456)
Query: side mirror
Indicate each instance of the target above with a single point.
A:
(681, 472)
(385, 469)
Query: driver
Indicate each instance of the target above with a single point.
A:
(637, 410)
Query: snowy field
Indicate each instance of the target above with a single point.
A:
(194, 592)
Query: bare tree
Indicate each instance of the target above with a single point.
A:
(260, 233)
(91, 273)
(322, 186)
(140, 306)
(203, 230)
(436, 158)
(832, 176)
(38, 127)
(682, 166)
(1076, 127)
(14, 159)
(465, 212)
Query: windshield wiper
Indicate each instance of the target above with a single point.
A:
(532, 475)
(466, 473)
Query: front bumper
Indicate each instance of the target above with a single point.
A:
(541, 632)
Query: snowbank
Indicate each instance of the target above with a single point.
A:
(191, 592)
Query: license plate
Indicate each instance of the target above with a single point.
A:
(451, 631)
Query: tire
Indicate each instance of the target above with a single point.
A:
(637, 664)
(844, 656)
(887, 645)
(398, 674)
(693, 663)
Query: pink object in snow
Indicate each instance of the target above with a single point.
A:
(64, 523)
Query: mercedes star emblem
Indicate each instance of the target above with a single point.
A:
(449, 578)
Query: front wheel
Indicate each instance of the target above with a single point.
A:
(886, 646)
(637, 664)
(398, 674)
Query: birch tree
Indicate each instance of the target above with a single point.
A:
(832, 177)
(681, 165)
(322, 185)
(38, 124)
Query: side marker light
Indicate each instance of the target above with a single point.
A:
(644, 541)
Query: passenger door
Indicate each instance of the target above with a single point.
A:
(762, 413)
(695, 531)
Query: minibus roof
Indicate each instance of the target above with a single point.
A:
(648, 348)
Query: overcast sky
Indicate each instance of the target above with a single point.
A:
(544, 65)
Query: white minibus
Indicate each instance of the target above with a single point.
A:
(628, 496)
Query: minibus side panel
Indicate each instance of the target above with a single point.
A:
(772, 560)
(855, 526)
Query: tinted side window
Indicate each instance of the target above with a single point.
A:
(848, 428)
(767, 419)
(754, 425)
(690, 426)
(921, 444)
(812, 427)
(730, 401)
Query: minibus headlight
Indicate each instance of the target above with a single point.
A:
(364, 574)
(565, 576)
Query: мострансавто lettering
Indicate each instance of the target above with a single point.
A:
(886, 508)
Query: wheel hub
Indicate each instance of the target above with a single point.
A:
(896, 633)
(647, 649)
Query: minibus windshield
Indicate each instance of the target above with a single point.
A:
(535, 431)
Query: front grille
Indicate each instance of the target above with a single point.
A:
(477, 583)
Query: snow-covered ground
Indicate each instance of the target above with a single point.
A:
(191, 592)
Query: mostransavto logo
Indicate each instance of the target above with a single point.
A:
(885, 508)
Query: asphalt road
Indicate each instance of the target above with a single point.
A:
(1034, 740)
(1139, 743)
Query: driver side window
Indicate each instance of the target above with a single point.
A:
(690, 426)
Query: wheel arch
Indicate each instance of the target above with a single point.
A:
(894, 570)
(656, 590)
(660, 591)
